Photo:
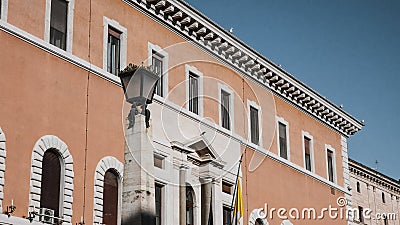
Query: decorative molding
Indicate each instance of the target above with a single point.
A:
(105, 164)
(2, 166)
(186, 21)
(258, 214)
(359, 170)
(67, 174)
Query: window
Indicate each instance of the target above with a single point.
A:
(58, 23)
(113, 51)
(226, 187)
(189, 206)
(307, 153)
(330, 163)
(158, 198)
(159, 161)
(258, 222)
(193, 93)
(254, 126)
(383, 198)
(225, 109)
(1, 7)
(361, 214)
(283, 150)
(358, 187)
(51, 181)
(110, 198)
(157, 63)
(227, 215)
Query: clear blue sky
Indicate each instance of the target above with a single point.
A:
(347, 50)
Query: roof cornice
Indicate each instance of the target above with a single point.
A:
(196, 27)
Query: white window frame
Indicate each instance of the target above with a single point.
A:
(191, 69)
(4, 10)
(329, 147)
(286, 123)
(161, 52)
(305, 134)
(254, 105)
(223, 87)
(107, 22)
(70, 23)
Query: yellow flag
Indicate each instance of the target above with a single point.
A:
(239, 209)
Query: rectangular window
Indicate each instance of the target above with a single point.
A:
(158, 162)
(283, 150)
(113, 51)
(254, 126)
(226, 187)
(1, 7)
(225, 108)
(193, 93)
(157, 64)
(361, 214)
(227, 215)
(307, 153)
(58, 23)
(383, 198)
(330, 156)
(158, 198)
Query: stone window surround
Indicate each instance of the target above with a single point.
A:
(67, 174)
(105, 164)
(70, 22)
(286, 123)
(107, 22)
(2, 165)
(4, 11)
(193, 70)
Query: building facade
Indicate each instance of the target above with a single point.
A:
(375, 195)
(63, 118)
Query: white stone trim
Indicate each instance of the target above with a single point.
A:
(2, 166)
(257, 214)
(254, 105)
(224, 87)
(106, 163)
(286, 123)
(305, 134)
(164, 55)
(67, 174)
(329, 147)
(195, 71)
(4, 10)
(70, 24)
(107, 22)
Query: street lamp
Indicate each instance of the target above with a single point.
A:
(139, 84)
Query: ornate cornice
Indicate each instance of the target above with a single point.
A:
(194, 26)
(374, 176)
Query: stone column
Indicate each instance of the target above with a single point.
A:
(206, 198)
(138, 194)
(182, 195)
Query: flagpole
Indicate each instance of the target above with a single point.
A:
(236, 184)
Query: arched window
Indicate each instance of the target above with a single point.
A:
(259, 222)
(189, 206)
(51, 182)
(110, 198)
(358, 187)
